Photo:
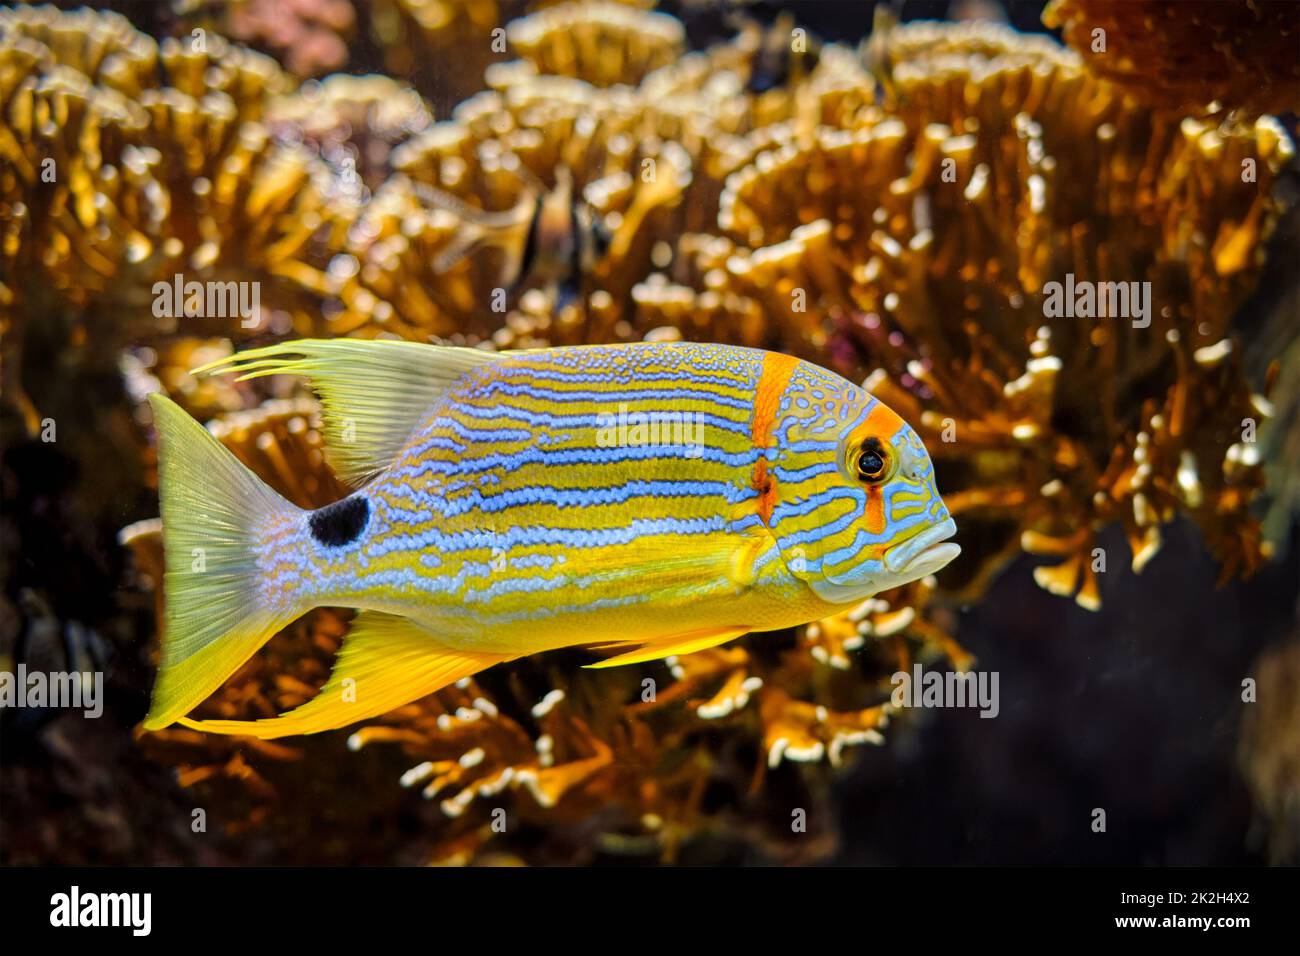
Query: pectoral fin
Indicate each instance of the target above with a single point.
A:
(744, 559)
(386, 661)
(685, 643)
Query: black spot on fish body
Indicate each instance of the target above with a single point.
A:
(340, 523)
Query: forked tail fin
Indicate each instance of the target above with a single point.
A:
(211, 508)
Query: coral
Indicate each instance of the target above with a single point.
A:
(599, 42)
(1194, 58)
(923, 242)
(726, 104)
(107, 190)
(631, 155)
(545, 139)
(353, 123)
(311, 36)
(112, 54)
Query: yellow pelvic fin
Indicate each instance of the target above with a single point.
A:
(686, 643)
(374, 393)
(386, 661)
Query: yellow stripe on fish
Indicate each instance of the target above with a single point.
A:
(653, 498)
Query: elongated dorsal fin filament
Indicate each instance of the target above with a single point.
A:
(374, 393)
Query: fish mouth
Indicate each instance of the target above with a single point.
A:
(909, 561)
(924, 554)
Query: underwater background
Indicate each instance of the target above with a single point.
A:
(889, 190)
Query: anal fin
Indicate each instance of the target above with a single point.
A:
(687, 642)
(390, 661)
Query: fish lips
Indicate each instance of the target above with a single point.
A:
(923, 554)
(913, 559)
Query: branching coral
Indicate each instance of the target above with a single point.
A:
(727, 104)
(477, 182)
(1192, 57)
(108, 190)
(597, 41)
(631, 156)
(111, 53)
(940, 242)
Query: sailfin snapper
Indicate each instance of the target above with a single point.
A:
(646, 499)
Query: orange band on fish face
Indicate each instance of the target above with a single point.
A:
(875, 510)
(772, 383)
(765, 484)
(777, 371)
(882, 422)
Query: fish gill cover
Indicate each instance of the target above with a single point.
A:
(1038, 255)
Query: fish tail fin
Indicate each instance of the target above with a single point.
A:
(212, 506)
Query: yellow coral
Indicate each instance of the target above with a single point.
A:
(923, 242)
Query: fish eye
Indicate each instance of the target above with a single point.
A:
(872, 463)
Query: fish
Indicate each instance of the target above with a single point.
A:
(875, 53)
(550, 238)
(641, 500)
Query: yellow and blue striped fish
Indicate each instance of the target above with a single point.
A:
(652, 499)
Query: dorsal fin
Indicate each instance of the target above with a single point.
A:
(373, 392)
